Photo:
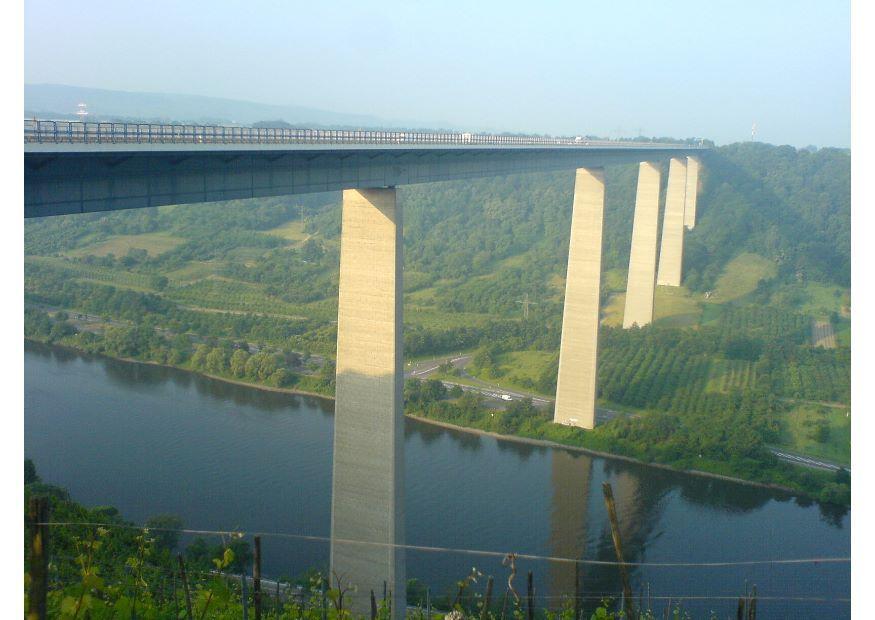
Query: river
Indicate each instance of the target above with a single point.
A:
(152, 440)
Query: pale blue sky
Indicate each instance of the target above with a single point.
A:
(676, 67)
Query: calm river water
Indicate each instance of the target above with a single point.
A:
(152, 440)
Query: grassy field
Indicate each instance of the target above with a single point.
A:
(797, 433)
(425, 316)
(119, 245)
(676, 307)
(516, 369)
(812, 298)
(290, 231)
(741, 275)
(196, 270)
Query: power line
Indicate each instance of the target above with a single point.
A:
(463, 551)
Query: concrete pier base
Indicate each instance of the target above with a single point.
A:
(671, 253)
(576, 383)
(692, 191)
(367, 515)
(641, 282)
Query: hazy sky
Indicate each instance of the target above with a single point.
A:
(674, 68)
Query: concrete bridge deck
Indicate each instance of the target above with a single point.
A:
(75, 167)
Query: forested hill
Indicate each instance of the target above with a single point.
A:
(791, 207)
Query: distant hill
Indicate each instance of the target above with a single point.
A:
(61, 101)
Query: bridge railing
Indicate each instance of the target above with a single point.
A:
(77, 132)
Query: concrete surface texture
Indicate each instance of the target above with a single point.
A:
(641, 282)
(671, 254)
(367, 495)
(576, 383)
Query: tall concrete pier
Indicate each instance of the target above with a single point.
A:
(367, 496)
(576, 383)
(641, 282)
(671, 254)
(692, 191)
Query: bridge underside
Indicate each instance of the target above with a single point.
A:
(61, 179)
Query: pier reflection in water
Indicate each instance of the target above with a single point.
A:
(153, 440)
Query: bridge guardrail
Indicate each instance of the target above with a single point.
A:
(78, 132)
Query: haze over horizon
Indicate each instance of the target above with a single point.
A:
(618, 70)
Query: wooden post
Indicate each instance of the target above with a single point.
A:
(618, 547)
(244, 594)
(38, 516)
(185, 589)
(277, 598)
(752, 605)
(577, 593)
(739, 614)
(487, 602)
(428, 603)
(256, 577)
(175, 600)
(373, 606)
(531, 597)
(324, 606)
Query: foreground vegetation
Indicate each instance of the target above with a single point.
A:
(247, 292)
(101, 566)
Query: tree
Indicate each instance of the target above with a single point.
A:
(30, 474)
(238, 362)
(215, 361)
(199, 358)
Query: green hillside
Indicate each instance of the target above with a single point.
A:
(731, 348)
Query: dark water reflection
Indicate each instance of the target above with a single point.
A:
(155, 440)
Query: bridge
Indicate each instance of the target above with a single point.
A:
(74, 167)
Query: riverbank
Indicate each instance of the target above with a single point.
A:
(545, 443)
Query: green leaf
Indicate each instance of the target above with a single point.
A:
(68, 605)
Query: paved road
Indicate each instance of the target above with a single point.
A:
(798, 459)
(494, 393)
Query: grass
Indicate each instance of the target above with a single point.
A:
(119, 245)
(612, 312)
(796, 432)
(195, 270)
(433, 318)
(741, 276)
(290, 231)
(614, 280)
(711, 313)
(674, 306)
(812, 298)
(843, 332)
(516, 369)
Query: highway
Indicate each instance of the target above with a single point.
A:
(495, 394)
(57, 132)
(798, 459)
(76, 167)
